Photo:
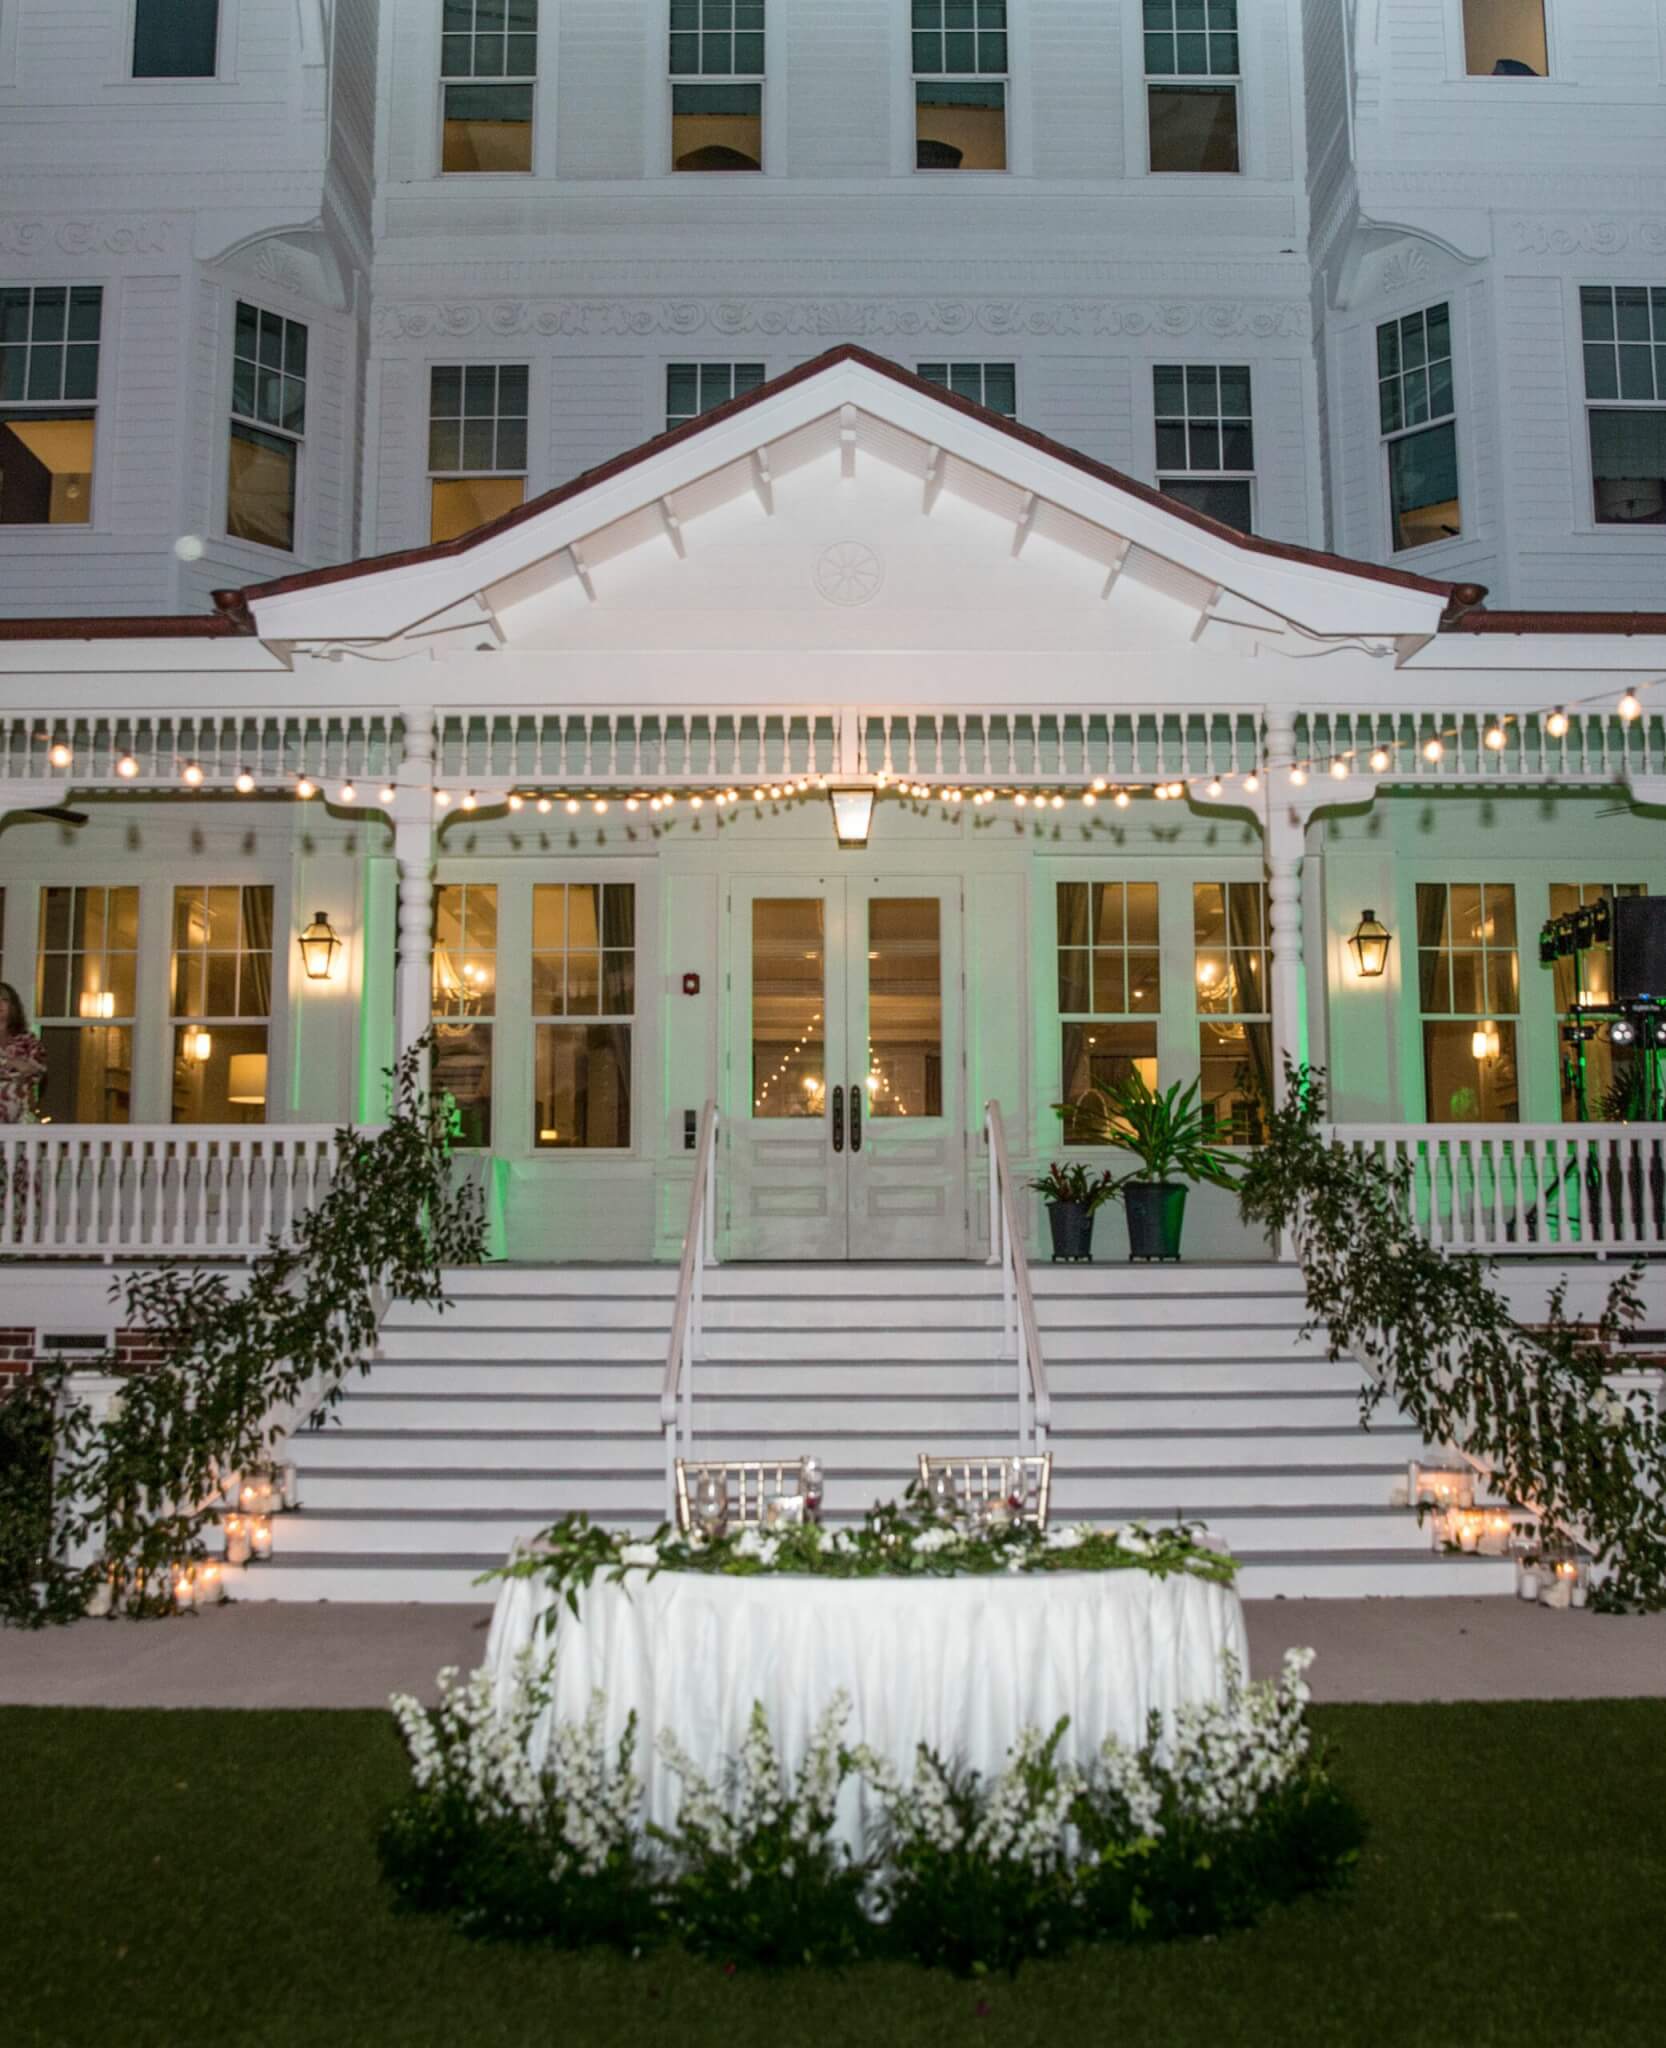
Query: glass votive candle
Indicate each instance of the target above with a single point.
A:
(1495, 1532)
(289, 1487)
(236, 1529)
(1527, 1578)
(260, 1536)
(185, 1591)
(211, 1584)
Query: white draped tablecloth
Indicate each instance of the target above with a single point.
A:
(960, 1664)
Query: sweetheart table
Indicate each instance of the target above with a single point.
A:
(960, 1664)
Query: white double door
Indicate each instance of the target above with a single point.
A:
(845, 1069)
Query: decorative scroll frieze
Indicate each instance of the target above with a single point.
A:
(1592, 236)
(120, 237)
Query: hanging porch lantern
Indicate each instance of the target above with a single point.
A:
(1369, 945)
(319, 947)
(852, 813)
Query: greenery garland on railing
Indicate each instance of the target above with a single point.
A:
(144, 1482)
(892, 1542)
(1535, 1407)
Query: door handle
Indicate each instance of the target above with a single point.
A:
(839, 1118)
(856, 1116)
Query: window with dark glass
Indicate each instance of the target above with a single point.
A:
(960, 85)
(717, 85)
(465, 1004)
(1624, 338)
(583, 1007)
(1110, 993)
(1416, 410)
(1191, 84)
(488, 70)
(268, 421)
(1205, 439)
(694, 388)
(221, 1003)
(1469, 987)
(992, 384)
(86, 982)
(176, 38)
(476, 444)
(49, 340)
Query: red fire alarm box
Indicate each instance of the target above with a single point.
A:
(691, 984)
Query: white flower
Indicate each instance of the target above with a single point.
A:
(644, 1555)
(751, 1542)
(1135, 1543)
(1068, 1539)
(930, 1540)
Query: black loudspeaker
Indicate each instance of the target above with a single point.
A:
(1639, 948)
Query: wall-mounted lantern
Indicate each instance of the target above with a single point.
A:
(1370, 944)
(319, 947)
(852, 813)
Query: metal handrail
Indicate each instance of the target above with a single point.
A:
(688, 1333)
(1019, 1334)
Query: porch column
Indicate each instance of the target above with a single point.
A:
(413, 849)
(1286, 844)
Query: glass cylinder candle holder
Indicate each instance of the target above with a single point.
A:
(236, 1528)
(1496, 1530)
(185, 1590)
(1527, 1577)
(940, 1490)
(260, 1536)
(289, 1486)
(711, 1505)
(211, 1584)
(814, 1482)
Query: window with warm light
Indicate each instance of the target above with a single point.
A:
(86, 978)
(1191, 84)
(1623, 329)
(176, 38)
(465, 1003)
(1205, 440)
(488, 72)
(268, 423)
(717, 85)
(476, 444)
(695, 388)
(789, 1003)
(1416, 412)
(1587, 978)
(1231, 987)
(584, 1011)
(1110, 991)
(49, 342)
(1469, 992)
(960, 85)
(1505, 39)
(994, 385)
(221, 1003)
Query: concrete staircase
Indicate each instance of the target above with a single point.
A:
(1177, 1391)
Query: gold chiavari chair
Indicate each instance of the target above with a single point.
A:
(977, 1481)
(749, 1488)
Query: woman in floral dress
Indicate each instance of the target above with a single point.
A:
(22, 1060)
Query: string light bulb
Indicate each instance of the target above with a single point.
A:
(516, 800)
(1339, 771)
(1433, 750)
(1123, 799)
(60, 756)
(347, 794)
(1379, 760)
(127, 767)
(1058, 802)
(1298, 776)
(442, 799)
(1089, 799)
(1099, 785)
(1215, 786)
(245, 783)
(1494, 737)
(470, 801)
(600, 806)
(1557, 724)
(1251, 784)
(386, 793)
(1629, 707)
(544, 807)
(306, 789)
(696, 802)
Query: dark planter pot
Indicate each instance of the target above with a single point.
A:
(1156, 1210)
(1072, 1224)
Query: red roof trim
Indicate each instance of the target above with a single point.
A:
(848, 352)
(1627, 623)
(152, 626)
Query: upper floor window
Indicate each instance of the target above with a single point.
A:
(1415, 407)
(1205, 440)
(488, 65)
(48, 385)
(1191, 84)
(960, 85)
(994, 385)
(268, 421)
(476, 444)
(694, 388)
(176, 38)
(1505, 39)
(717, 89)
(1624, 330)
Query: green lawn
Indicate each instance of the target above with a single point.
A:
(208, 1878)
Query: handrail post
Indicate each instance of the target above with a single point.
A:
(687, 1339)
(1019, 1332)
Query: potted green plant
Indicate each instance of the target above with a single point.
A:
(1072, 1194)
(1169, 1134)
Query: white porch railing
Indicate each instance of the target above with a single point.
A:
(1020, 1336)
(688, 1332)
(141, 1190)
(1548, 1189)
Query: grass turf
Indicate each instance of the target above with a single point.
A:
(186, 1879)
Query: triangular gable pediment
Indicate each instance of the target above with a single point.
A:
(851, 489)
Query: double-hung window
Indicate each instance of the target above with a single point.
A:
(694, 388)
(1110, 994)
(488, 69)
(1469, 988)
(48, 409)
(1505, 39)
(268, 422)
(176, 38)
(1624, 332)
(960, 85)
(1416, 410)
(1191, 84)
(994, 385)
(1205, 440)
(85, 993)
(222, 1003)
(476, 444)
(584, 1009)
(717, 85)
(1234, 1028)
(465, 1003)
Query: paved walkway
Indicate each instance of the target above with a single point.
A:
(257, 1654)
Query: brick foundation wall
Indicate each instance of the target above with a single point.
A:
(136, 1349)
(17, 1350)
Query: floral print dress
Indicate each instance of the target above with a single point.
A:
(22, 1069)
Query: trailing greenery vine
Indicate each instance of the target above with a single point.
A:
(1536, 1406)
(142, 1483)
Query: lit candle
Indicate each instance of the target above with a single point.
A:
(1495, 1536)
(260, 1536)
(185, 1591)
(237, 1539)
(1469, 1534)
(289, 1485)
(211, 1586)
(1527, 1581)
